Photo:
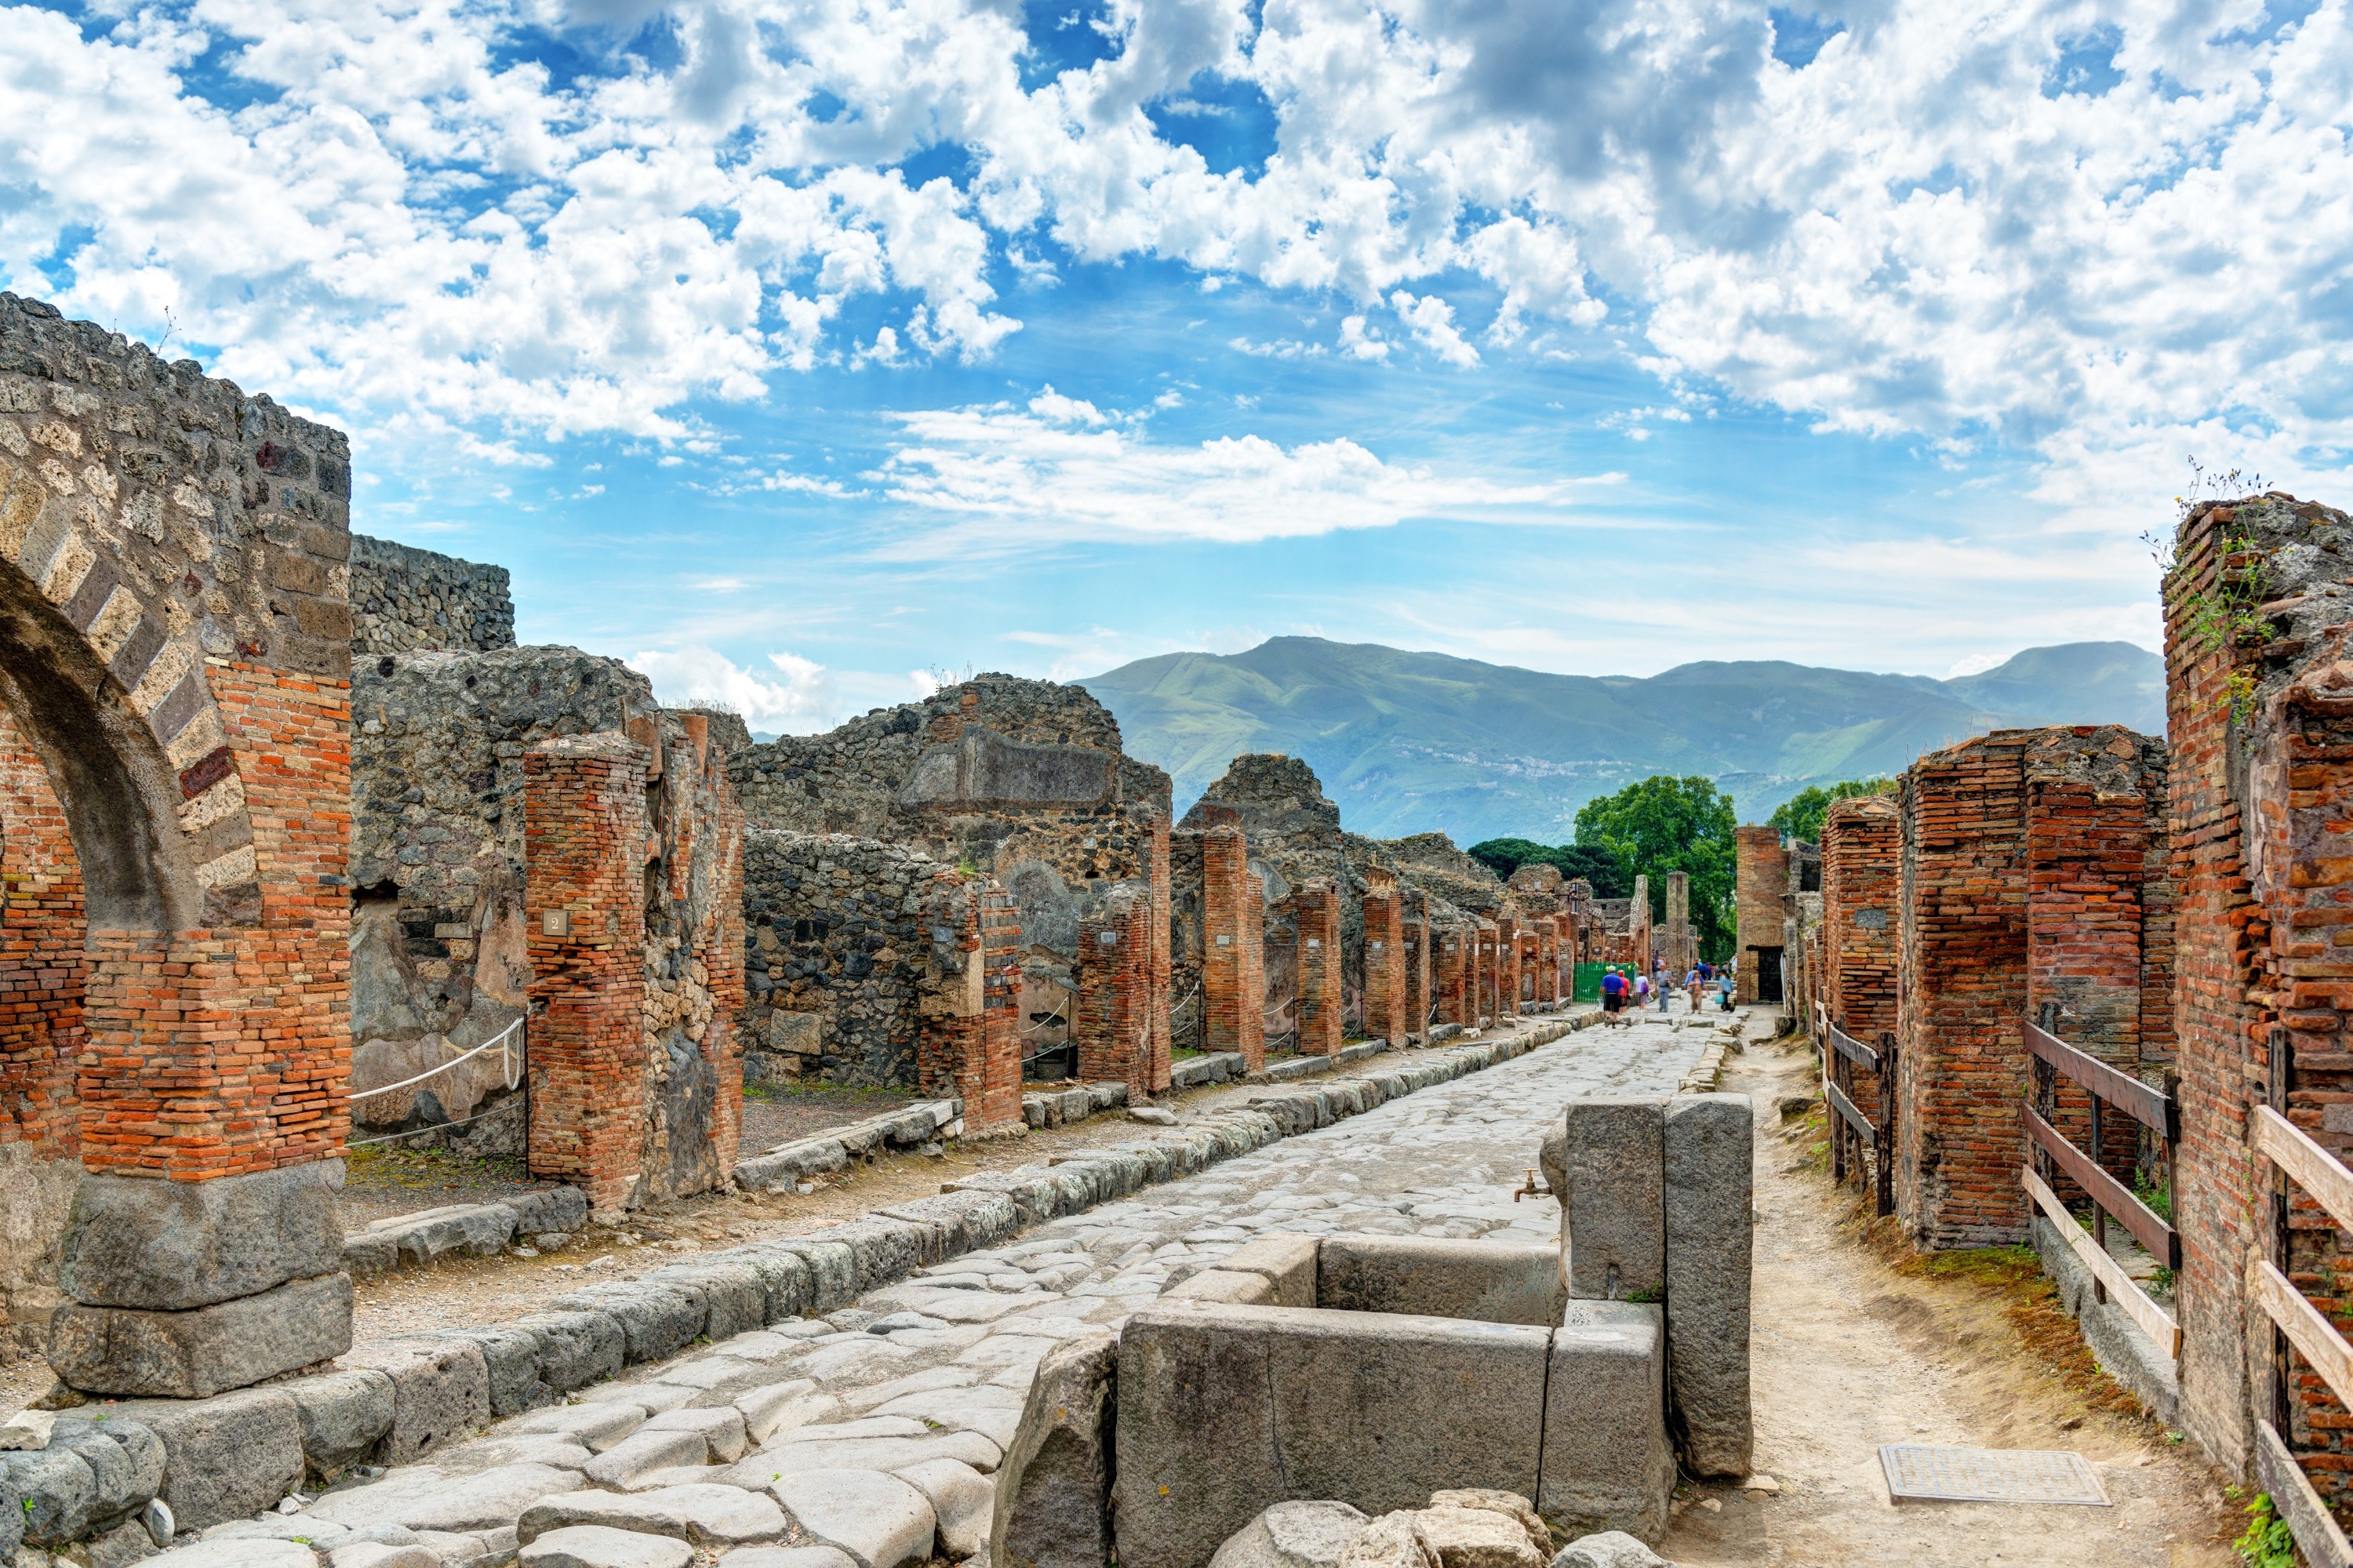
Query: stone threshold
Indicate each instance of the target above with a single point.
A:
(394, 1402)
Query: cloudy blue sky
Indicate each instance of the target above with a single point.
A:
(800, 352)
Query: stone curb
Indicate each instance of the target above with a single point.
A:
(462, 1230)
(412, 1394)
(780, 1168)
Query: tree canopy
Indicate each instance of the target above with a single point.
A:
(1597, 863)
(1661, 824)
(1802, 814)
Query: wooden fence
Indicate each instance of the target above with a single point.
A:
(1853, 1133)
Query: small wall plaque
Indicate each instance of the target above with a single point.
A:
(555, 922)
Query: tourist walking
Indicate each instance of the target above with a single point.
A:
(1613, 990)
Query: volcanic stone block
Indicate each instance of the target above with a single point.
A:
(1709, 1223)
(1053, 1488)
(176, 1245)
(342, 1415)
(1613, 1197)
(1492, 1282)
(225, 1459)
(1608, 1464)
(576, 1349)
(1286, 1263)
(1225, 1411)
(199, 1352)
(440, 1392)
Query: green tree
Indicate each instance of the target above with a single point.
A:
(1595, 863)
(1802, 814)
(1664, 823)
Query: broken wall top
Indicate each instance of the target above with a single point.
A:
(404, 600)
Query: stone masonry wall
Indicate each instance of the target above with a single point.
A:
(406, 601)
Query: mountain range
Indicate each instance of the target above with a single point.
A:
(1408, 742)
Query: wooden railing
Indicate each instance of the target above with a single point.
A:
(2296, 1159)
(1852, 1132)
(2053, 1059)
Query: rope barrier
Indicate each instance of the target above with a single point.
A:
(438, 1126)
(508, 1066)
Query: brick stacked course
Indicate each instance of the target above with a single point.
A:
(1485, 1005)
(2262, 757)
(1761, 876)
(1507, 966)
(1385, 966)
(405, 599)
(1547, 959)
(1233, 972)
(585, 828)
(1454, 973)
(1419, 933)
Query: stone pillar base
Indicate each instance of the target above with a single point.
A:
(197, 1354)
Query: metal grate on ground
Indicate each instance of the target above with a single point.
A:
(1990, 1474)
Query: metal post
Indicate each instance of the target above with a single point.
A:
(1886, 1204)
(2282, 1083)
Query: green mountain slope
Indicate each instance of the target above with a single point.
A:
(1407, 742)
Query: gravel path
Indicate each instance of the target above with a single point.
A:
(924, 1380)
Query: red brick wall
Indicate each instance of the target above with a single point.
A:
(216, 1052)
(1453, 969)
(1419, 996)
(1161, 921)
(1761, 876)
(1000, 1031)
(1251, 916)
(1316, 909)
(1385, 966)
(1507, 967)
(1489, 973)
(43, 967)
(1233, 972)
(585, 834)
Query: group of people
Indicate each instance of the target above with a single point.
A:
(1626, 987)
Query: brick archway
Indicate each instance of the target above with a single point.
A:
(175, 649)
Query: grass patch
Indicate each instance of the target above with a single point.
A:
(388, 1167)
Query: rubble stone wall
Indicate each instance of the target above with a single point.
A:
(406, 601)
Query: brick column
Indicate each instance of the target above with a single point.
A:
(1418, 994)
(1233, 971)
(585, 837)
(1316, 909)
(1451, 959)
(1387, 1004)
(1116, 991)
(1487, 1005)
(1547, 959)
(1761, 876)
(1159, 922)
(43, 965)
(1861, 856)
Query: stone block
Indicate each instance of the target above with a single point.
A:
(736, 1297)
(596, 1546)
(1613, 1197)
(833, 1272)
(1225, 1411)
(783, 1274)
(423, 1498)
(93, 1476)
(967, 1221)
(176, 1245)
(1292, 1535)
(342, 1415)
(1609, 1548)
(963, 1503)
(1492, 1282)
(596, 1427)
(228, 1457)
(1608, 1462)
(1710, 1218)
(703, 1514)
(237, 1554)
(645, 1450)
(371, 1252)
(549, 1209)
(202, 1352)
(783, 1407)
(459, 1230)
(1478, 1538)
(789, 1557)
(576, 1348)
(1223, 1285)
(1053, 1508)
(1287, 1264)
(511, 1354)
(880, 1521)
(721, 1429)
(657, 1321)
(882, 1252)
(440, 1394)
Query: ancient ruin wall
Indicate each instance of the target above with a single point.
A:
(1861, 866)
(1761, 876)
(406, 601)
(2260, 783)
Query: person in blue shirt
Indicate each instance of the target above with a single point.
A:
(1613, 990)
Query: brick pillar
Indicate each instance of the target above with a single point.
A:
(1160, 921)
(584, 840)
(1761, 876)
(1547, 959)
(968, 1039)
(1387, 1003)
(1419, 994)
(1861, 856)
(1448, 970)
(1488, 1002)
(1233, 962)
(43, 966)
(1507, 967)
(1316, 909)
(1116, 991)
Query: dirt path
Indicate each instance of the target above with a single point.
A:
(1848, 1352)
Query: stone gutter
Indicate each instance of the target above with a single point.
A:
(393, 1402)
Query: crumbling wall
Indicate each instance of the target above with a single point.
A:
(1432, 862)
(406, 600)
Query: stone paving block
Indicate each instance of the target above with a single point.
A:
(1478, 1538)
(596, 1426)
(651, 1398)
(1608, 1463)
(878, 1519)
(173, 1246)
(224, 1457)
(1494, 1282)
(423, 1498)
(511, 1354)
(722, 1429)
(789, 1557)
(1292, 1535)
(966, 1220)
(833, 1271)
(646, 1449)
(705, 1515)
(237, 1554)
(1287, 1264)
(994, 1413)
(1710, 1225)
(784, 1407)
(499, 1448)
(341, 1415)
(785, 1277)
(809, 1446)
(1222, 1284)
(378, 1554)
(440, 1394)
(594, 1546)
(1225, 1411)
(1613, 1199)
